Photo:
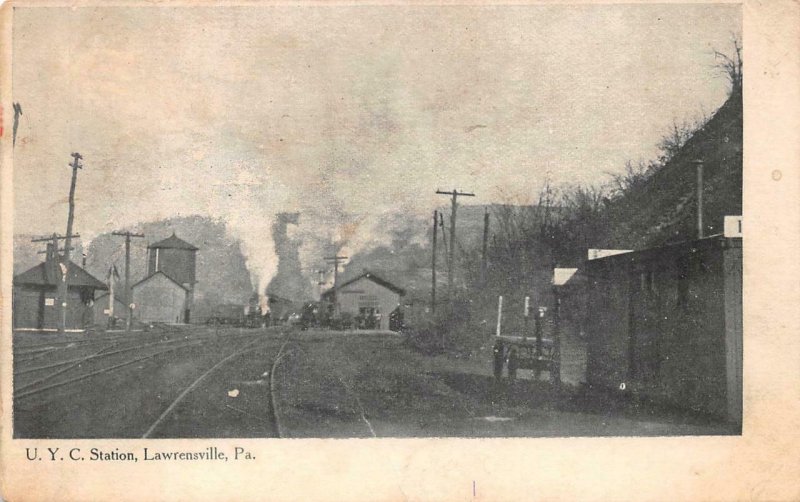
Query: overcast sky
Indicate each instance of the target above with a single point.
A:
(344, 113)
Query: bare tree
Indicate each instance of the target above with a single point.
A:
(730, 65)
(635, 175)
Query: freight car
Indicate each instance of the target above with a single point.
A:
(227, 315)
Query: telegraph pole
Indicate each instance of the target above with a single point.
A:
(700, 229)
(62, 289)
(444, 238)
(433, 263)
(63, 286)
(128, 298)
(454, 206)
(484, 257)
(335, 259)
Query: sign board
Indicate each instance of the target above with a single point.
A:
(602, 253)
(49, 302)
(562, 275)
(733, 226)
(107, 311)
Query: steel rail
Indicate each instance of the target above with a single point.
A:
(192, 343)
(166, 413)
(102, 370)
(88, 358)
(126, 349)
(62, 370)
(273, 407)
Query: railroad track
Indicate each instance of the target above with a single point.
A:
(272, 413)
(24, 349)
(45, 383)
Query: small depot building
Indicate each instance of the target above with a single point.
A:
(35, 293)
(366, 295)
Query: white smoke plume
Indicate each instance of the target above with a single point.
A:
(265, 110)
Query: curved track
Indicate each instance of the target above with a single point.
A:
(272, 420)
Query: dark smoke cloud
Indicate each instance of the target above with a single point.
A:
(289, 281)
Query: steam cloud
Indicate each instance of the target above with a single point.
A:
(269, 111)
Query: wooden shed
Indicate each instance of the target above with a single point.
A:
(666, 323)
(159, 298)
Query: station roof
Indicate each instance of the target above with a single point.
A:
(173, 242)
(372, 277)
(38, 276)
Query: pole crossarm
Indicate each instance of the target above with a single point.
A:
(54, 236)
(455, 192)
(127, 234)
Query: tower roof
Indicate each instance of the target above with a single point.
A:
(172, 242)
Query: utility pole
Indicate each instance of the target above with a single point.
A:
(52, 255)
(433, 263)
(484, 257)
(50, 272)
(63, 286)
(454, 206)
(444, 238)
(335, 259)
(700, 229)
(128, 298)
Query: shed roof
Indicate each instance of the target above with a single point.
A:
(38, 276)
(369, 276)
(172, 242)
(660, 252)
(160, 273)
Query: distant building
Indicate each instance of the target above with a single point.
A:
(367, 295)
(35, 290)
(167, 293)
(666, 323)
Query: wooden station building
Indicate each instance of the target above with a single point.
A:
(366, 295)
(35, 294)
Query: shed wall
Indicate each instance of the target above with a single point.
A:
(366, 293)
(31, 310)
(657, 323)
(159, 300)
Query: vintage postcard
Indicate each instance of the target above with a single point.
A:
(497, 251)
